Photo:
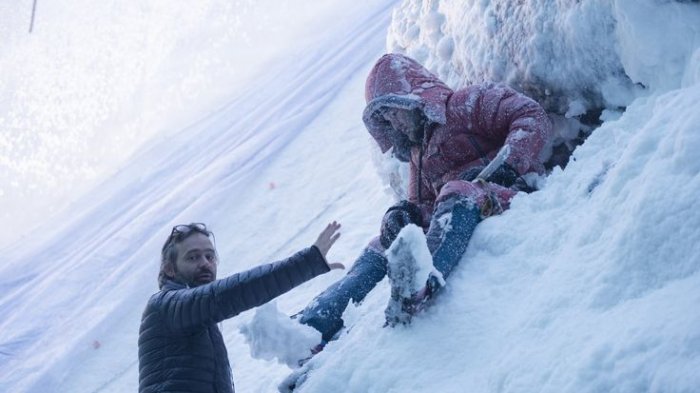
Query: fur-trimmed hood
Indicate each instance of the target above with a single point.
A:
(397, 81)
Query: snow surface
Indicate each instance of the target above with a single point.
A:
(589, 285)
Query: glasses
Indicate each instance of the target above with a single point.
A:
(180, 232)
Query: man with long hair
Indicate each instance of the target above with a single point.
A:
(180, 346)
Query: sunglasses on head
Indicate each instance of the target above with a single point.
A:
(180, 232)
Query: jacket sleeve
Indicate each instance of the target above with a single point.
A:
(517, 121)
(189, 309)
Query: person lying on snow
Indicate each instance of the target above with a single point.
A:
(448, 137)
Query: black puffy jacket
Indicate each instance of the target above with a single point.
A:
(181, 348)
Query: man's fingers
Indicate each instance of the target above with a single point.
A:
(330, 229)
(328, 241)
(327, 237)
(333, 227)
(336, 265)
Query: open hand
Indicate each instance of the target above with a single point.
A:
(326, 239)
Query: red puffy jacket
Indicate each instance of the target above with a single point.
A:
(465, 128)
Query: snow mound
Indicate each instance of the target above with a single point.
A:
(570, 56)
(273, 335)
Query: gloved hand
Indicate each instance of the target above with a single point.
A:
(504, 175)
(521, 185)
(506, 171)
(471, 173)
(397, 217)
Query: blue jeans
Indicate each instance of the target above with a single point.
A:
(325, 312)
(447, 244)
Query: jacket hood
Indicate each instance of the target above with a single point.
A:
(397, 81)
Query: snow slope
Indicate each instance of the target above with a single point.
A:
(73, 291)
(93, 82)
(590, 284)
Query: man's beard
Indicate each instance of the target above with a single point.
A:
(201, 277)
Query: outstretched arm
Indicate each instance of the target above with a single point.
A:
(192, 308)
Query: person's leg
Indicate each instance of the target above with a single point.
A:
(325, 312)
(452, 224)
(460, 206)
(451, 227)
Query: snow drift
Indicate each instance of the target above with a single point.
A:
(591, 283)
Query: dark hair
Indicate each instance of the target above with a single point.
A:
(168, 254)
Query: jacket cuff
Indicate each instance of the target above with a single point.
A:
(319, 262)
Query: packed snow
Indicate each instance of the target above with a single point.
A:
(271, 334)
(590, 284)
(411, 242)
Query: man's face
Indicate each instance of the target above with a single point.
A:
(196, 261)
(409, 123)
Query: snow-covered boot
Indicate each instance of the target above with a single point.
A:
(447, 239)
(409, 267)
(402, 269)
